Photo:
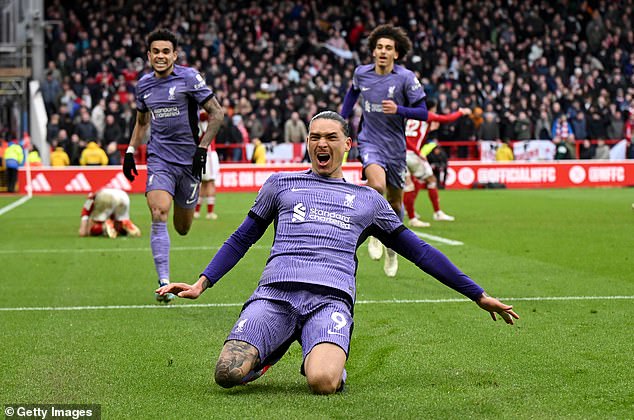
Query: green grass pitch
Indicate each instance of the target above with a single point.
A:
(563, 258)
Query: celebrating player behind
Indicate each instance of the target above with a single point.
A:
(308, 287)
(107, 212)
(389, 94)
(168, 98)
(419, 169)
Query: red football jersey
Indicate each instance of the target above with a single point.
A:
(416, 131)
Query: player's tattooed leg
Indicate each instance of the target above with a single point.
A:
(236, 360)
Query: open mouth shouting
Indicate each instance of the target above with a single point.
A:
(323, 158)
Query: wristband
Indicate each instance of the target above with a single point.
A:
(85, 218)
(130, 149)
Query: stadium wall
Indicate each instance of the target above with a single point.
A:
(248, 177)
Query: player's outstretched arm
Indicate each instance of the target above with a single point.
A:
(435, 263)
(494, 306)
(184, 290)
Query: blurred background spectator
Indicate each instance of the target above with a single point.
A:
(59, 157)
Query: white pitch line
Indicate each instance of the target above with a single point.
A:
(91, 250)
(13, 205)
(176, 248)
(360, 302)
(438, 239)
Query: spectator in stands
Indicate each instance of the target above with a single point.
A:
(490, 128)
(33, 156)
(543, 125)
(65, 119)
(112, 131)
(465, 128)
(597, 126)
(59, 157)
(52, 128)
(562, 128)
(579, 126)
(616, 126)
(561, 151)
(586, 150)
(93, 155)
(522, 126)
(275, 126)
(259, 152)
(74, 147)
(602, 150)
(238, 121)
(98, 117)
(69, 99)
(295, 129)
(231, 138)
(127, 121)
(114, 155)
(255, 127)
(265, 122)
(504, 153)
(85, 129)
(439, 162)
(51, 92)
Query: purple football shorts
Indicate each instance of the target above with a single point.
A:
(175, 179)
(277, 315)
(395, 167)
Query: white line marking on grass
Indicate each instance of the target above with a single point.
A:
(90, 250)
(438, 239)
(176, 248)
(13, 205)
(360, 302)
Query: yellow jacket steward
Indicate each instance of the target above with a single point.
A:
(59, 157)
(34, 158)
(93, 155)
(15, 152)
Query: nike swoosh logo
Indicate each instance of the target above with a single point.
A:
(190, 201)
(147, 95)
(331, 332)
(363, 89)
(299, 189)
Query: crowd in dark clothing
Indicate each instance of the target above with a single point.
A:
(519, 65)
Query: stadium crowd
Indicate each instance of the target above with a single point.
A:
(527, 69)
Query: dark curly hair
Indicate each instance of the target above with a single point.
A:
(401, 42)
(162, 35)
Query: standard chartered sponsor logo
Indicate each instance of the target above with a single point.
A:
(372, 107)
(167, 112)
(329, 217)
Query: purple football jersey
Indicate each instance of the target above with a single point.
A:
(173, 102)
(319, 224)
(387, 131)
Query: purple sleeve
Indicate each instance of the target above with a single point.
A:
(416, 113)
(432, 262)
(234, 248)
(348, 102)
